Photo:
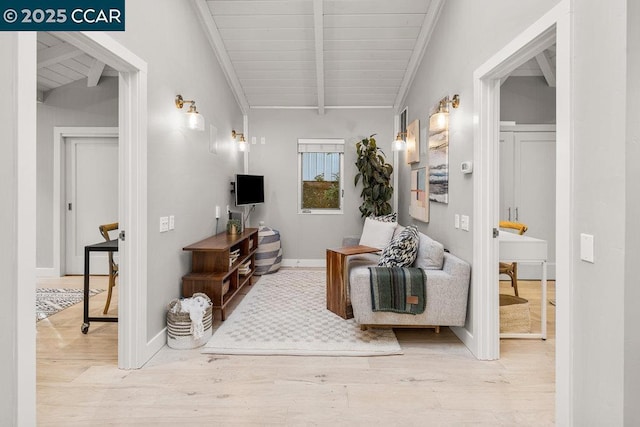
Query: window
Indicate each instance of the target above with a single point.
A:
(320, 173)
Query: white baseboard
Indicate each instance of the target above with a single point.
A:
(466, 337)
(304, 263)
(156, 344)
(46, 272)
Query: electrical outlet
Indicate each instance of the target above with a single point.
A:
(172, 222)
(164, 224)
(263, 140)
(253, 140)
(456, 220)
(464, 222)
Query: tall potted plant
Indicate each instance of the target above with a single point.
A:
(375, 173)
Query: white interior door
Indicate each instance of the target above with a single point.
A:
(535, 195)
(507, 160)
(91, 198)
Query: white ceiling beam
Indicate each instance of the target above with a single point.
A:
(546, 66)
(95, 73)
(58, 53)
(318, 26)
(430, 19)
(213, 35)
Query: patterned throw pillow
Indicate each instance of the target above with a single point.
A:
(401, 251)
(393, 217)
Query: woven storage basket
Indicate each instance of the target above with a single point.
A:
(514, 314)
(179, 326)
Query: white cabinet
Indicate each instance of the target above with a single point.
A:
(528, 185)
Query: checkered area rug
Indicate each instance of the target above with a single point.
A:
(285, 314)
(50, 301)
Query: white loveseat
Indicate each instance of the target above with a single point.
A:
(447, 287)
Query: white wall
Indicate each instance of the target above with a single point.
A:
(459, 44)
(308, 236)
(74, 104)
(528, 100)
(8, 316)
(599, 65)
(184, 179)
(17, 263)
(632, 245)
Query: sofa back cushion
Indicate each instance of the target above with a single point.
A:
(401, 251)
(430, 254)
(377, 234)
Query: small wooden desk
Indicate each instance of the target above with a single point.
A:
(337, 301)
(526, 249)
(110, 246)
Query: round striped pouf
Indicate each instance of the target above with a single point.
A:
(269, 253)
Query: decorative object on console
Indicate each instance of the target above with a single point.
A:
(413, 142)
(376, 178)
(193, 119)
(234, 226)
(419, 205)
(402, 250)
(439, 150)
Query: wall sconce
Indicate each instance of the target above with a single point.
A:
(439, 121)
(400, 143)
(193, 119)
(242, 143)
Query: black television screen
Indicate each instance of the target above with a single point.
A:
(249, 189)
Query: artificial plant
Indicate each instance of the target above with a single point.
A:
(375, 173)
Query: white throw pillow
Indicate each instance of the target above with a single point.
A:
(430, 254)
(377, 234)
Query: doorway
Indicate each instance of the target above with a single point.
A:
(553, 27)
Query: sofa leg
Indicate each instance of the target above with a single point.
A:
(437, 329)
(363, 327)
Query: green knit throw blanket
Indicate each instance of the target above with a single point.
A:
(398, 289)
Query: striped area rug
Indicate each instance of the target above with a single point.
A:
(49, 301)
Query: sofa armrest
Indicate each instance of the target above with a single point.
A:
(350, 241)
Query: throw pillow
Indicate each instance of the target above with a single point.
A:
(377, 234)
(386, 218)
(430, 254)
(401, 251)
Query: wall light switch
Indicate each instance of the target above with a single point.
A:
(172, 222)
(456, 220)
(253, 140)
(586, 248)
(164, 224)
(464, 223)
(263, 140)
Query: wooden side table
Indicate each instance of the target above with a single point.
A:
(337, 281)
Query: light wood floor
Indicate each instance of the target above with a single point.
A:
(435, 382)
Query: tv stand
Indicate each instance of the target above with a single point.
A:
(214, 273)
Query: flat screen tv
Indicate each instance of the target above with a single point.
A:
(249, 189)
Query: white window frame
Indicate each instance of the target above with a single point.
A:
(325, 141)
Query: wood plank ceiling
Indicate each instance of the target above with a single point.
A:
(60, 63)
(319, 53)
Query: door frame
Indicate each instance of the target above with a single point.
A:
(555, 25)
(60, 133)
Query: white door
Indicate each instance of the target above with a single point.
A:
(528, 190)
(91, 198)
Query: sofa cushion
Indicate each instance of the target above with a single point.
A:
(377, 234)
(430, 254)
(401, 251)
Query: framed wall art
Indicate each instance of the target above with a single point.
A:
(413, 142)
(419, 205)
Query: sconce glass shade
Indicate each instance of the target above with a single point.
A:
(439, 122)
(399, 144)
(242, 144)
(194, 121)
